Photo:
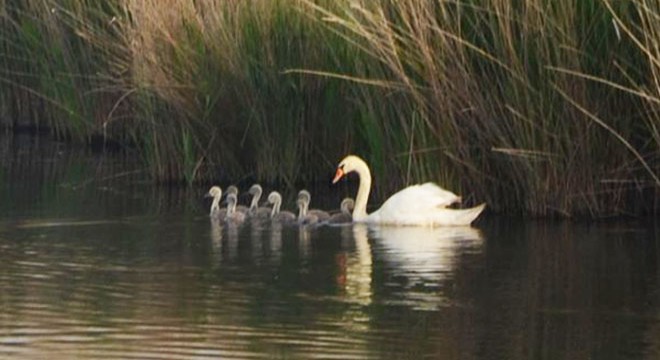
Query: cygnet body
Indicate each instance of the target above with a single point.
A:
(305, 196)
(344, 216)
(276, 214)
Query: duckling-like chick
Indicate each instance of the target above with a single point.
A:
(284, 216)
(305, 196)
(232, 189)
(344, 216)
(233, 215)
(304, 218)
(255, 210)
(215, 192)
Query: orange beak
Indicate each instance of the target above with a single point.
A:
(338, 175)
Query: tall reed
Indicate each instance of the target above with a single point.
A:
(508, 94)
(535, 107)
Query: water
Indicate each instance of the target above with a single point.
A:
(96, 263)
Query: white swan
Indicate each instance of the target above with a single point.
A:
(255, 210)
(424, 204)
(285, 216)
(306, 197)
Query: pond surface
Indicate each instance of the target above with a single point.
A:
(96, 263)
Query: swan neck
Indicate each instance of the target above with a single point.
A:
(215, 205)
(360, 209)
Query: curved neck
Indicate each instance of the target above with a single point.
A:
(302, 209)
(255, 200)
(231, 207)
(276, 207)
(215, 205)
(360, 209)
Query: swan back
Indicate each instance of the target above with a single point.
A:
(424, 204)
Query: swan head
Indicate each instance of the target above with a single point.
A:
(255, 189)
(214, 192)
(349, 164)
(232, 189)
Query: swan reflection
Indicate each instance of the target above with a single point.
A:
(357, 274)
(415, 263)
(411, 266)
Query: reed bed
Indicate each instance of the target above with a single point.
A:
(536, 107)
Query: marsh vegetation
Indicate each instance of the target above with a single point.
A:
(535, 107)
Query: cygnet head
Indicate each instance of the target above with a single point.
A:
(347, 205)
(232, 189)
(214, 192)
(304, 199)
(255, 189)
(274, 198)
(304, 195)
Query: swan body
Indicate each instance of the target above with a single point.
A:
(255, 210)
(284, 216)
(344, 216)
(306, 197)
(424, 204)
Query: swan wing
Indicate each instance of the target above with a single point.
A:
(422, 197)
(441, 216)
(424, 204)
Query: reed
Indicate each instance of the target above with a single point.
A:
(515, 98)
(535, 107)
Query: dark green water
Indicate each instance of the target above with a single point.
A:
(95, 263)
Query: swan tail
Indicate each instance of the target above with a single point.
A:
(459, 217)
